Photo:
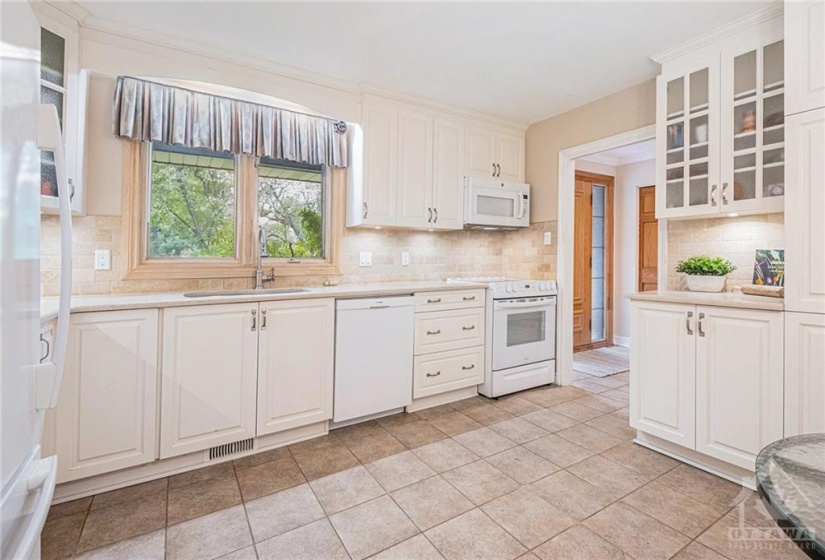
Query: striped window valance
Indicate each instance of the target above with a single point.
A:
(153, 112)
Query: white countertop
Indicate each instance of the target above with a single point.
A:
(725, 299)
(82, 304)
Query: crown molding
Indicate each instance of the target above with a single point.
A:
(774, 10)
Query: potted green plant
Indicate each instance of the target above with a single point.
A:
(705, 274)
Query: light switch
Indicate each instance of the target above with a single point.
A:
(548, 238)
(365, 258)
(103, 259)
(405, 258)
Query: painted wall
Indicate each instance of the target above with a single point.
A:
(622, 111)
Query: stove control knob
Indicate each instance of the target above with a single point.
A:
(508, 288)
(515, 288)
(543, 287)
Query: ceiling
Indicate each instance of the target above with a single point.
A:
(521, 61)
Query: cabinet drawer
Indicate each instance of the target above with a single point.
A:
(449, 330)
(447, 371)
(441, 301)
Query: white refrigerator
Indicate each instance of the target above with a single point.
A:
(27, 386)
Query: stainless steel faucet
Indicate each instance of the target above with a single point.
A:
(260, 277)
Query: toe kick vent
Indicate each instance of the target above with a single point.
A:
(230, 448)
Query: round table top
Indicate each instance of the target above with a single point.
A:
(790, 476)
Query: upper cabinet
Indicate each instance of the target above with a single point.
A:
(414, 163)
(804, 56)
(720, 128)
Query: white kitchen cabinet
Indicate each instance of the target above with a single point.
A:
(107, 409)
(663, 362)
(739, 382)
(415, 167)
(295, 363)
(449, 330)
(446, 371)
(380, 181)
(208, 376)
(804, 373)
(804, 56)
(510, 157)
(805, 224)
(491, 153)
(448, 174)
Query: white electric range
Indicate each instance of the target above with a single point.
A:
(521, 334)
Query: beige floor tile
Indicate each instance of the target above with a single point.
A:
(528, 556)
(522, 465)
(620, 395)
(400, 419)
(640, 459)
(594, 386)
(455, 423)
(199, 475)
(516, 405)
(123, 520)
(69, 508)
(279, 513)
(359, 431)
(416, 434)
(611, 477)
(151, 546)
(488, 414)
(576, 410)
(434, 412)
(416, 548)
(247, 553)
(526, 516)
(130, 494)
(61, 535)
(210, 536)
(329, 440)
(544, 397)
(444, 455)
(518, 430)
(263, 457)
(318, 463)
(623, 413)
(637, 534)
(484, 442)
(399, 470)
(346, 489)
(549, 420)
(696, 551)
(601, 402)
(613, 425)
(578, 543)
(752, 511)
(372, 527)
(316, 541)
(611, 381)
(268, 478)
(202, 497)
(589, 438)
(375, 446)
(480, 481)
(558, 450)
(572, 495)
(673, 508)
(703, 487)
(737, 541)
(472, 402)
(431, 502)
(474, 536)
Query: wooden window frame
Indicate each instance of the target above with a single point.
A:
(138, 266)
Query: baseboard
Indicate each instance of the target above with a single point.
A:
(621, 341)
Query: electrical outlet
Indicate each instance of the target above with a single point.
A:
(548, 238)
(365, 258)
(103, 259)
(405, 258)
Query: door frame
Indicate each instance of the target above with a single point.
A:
(610, 186)
(566, 259)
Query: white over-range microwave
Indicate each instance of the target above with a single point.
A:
(490, 203)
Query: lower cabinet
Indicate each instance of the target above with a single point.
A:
(107, 409)
(295, 363)
(209, 376)
(708, 378)
(804, 373)
(446, 371)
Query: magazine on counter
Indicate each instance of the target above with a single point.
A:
(769, 269)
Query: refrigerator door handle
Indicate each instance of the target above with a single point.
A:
(43, 477)
(50, 374)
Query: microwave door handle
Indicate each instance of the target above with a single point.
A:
(520, 206)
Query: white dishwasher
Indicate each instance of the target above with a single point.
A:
(373, 355)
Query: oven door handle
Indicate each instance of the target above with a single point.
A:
(524, 304)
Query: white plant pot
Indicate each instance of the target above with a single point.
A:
(706, 283)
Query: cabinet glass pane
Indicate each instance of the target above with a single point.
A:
(598, 232)
(698, 170)
(698, 192)
(48, 95)
(699, 131)
(773, 136)
(744, 118)
(48, 174)
(744, 161)
(773, 180)
(773, 157)
(598, 200)
(675, 136)
(773, 109)
(674, 195)
(699, 152)
(744, 185)
(745, 142)
(676, 157)
(675, 98)
(675, 173)
(52, 57)
(773, 66)
(744, 75)
(699, 91)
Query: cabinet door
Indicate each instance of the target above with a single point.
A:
(380, 163)
(479, 152)
(739, 382)
(448, 175)
(295, 364)
(106, 414)
(209, 371)
(663, 362)
(804, 56)
(438, 373)
(753, 126)
(415, 168)
(510, 157)
(687, 141)
(805, 226)
(804, 373)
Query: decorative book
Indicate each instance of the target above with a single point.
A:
(769, 269)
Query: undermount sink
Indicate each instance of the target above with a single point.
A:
(253, 292)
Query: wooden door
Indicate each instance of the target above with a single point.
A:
(804, 373)
(739, 382)
(648, 265)
(581, 271)
(209, 376)
(415, 168)
(510, 157)
(448, 175)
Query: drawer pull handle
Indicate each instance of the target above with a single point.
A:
(263, 319)
(436, 300)
(434, 332)
(470, 328)
(469, 298)
(436, 374)
(471, 366)
(699, 324)
(254, 320)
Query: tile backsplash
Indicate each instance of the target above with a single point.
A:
(433, 256)
(735, 239)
